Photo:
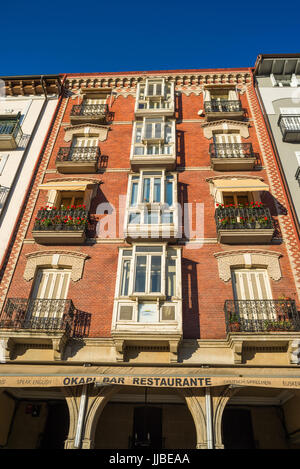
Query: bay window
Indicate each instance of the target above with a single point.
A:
(155, 96)
(151, 201)
(153, 136)
(149, 270)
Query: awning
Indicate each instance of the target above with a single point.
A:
(66, 185)
(149, 377)
(235, 185)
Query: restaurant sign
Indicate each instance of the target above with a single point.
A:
(149, 381)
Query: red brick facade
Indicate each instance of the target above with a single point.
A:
(203, 291)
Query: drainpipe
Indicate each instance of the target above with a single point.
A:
(209, 428)
(81, 416)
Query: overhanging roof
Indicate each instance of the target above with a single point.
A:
(278, 64)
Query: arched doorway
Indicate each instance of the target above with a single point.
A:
(142, 417)
(33, 419)
(262, 418)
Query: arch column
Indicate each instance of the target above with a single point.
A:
(97, 397)
(195, 400)
(220, 397)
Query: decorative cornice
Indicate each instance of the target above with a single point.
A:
(184, 80)
(233, 176)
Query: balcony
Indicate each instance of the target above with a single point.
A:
(253, 316)
(231, 156)
(290, 127)
(77, 159)
(61, 226)
(244, 225)
(89, 113)
(41, 321)
(223, 109)
(10, 132)
(37, 321)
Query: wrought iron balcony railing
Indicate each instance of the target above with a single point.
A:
(84, 154)
(45, 315)
(20, 313)
(61, 219)
(290, 127)
(89, 110)
(223, 105)
(231, 150)
(261, 315)
(243, 218)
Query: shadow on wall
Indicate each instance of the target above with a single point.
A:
(190, 305)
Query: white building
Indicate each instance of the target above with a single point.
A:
(27, 105)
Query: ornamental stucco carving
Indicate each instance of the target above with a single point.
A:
(248, 258)
(86, 130)
(55, 259)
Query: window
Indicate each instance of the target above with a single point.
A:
(68, 199)
(154, 136)
(49, 285)
(148, 286)
(251, 284)
(237, 198)
(148, 269)
(151, 198)
(155, 95)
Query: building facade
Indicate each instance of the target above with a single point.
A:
(27, 104)
(151, 295)
(278, 87)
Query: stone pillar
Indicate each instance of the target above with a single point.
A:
(195, 399)
(97, 397)
(220, 397)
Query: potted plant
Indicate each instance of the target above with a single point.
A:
(234, 323)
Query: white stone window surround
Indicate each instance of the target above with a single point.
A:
(135, 299)
(165, 143)
(137, 250)
(138, 179)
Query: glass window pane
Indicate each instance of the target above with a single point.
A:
(125, 278)
(140, 275)
(138, 150)
(155, 275)
(157, 185)
(168, 133)
(149, 249)
(171, 277)
(150, 218)
(157, 130)
(146, 190)
(158, 89)
(138, 135)
(169, 192)
(135, 218)
(148, 130)
(167, 217)
(150, 90)
(134, 193)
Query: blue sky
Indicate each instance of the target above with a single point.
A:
(95, 36)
